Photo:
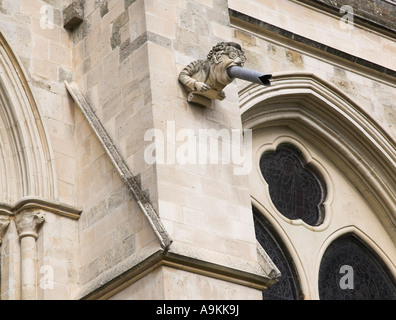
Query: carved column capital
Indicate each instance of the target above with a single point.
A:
(4, 222)
(28, 222)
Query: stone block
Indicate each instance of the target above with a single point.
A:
(73, 15)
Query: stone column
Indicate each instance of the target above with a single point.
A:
(4, 222)
(27, 224)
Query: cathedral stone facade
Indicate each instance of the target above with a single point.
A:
(118, 183)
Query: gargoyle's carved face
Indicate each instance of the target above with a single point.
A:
(234, 57)
(225, 59)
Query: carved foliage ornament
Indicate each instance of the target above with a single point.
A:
(28, 222)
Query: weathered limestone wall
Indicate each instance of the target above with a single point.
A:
(74, 252)
(206, 208)
(127, 56)
(370, 12)
(111, 68)
(10, 265)
(112, 227)
(58, 251)
(44, 49)
(173, 284)
(374, 93)
(313, 24)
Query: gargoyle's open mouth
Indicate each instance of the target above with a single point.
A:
(249, 75)
(237, 64)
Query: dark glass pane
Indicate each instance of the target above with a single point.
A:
(287, 286)
(294, 189)
(351, 271)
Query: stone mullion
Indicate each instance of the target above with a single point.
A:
(4, 222)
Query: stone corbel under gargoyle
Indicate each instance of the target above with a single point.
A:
(205, 80)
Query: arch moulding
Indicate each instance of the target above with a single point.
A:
(26, 161)
(333, 122)
(361, 236)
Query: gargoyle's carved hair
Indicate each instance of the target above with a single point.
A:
(220, 48)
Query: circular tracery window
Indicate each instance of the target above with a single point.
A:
(296, 190)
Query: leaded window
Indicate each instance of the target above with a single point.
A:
(351, 271)
(287, 287)
(296, 190)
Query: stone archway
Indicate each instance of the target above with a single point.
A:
(28, 188)
(26, 161)
(356, 144)
(350, 270)
(334, 134)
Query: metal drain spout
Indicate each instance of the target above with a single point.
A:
(249, 75)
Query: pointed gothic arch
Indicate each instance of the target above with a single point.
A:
(26, 161)
(367, 245)
(350, 150)
(333, 122)
(351, 268)
(288, 286)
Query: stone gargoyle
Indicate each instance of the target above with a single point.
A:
(206, 79)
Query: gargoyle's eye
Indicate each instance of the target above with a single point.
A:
(233, 55)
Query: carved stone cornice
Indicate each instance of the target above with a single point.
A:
(29, 214)
(38, 204)
(28, 222)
